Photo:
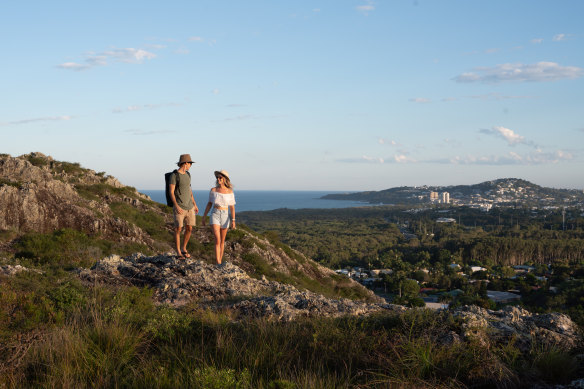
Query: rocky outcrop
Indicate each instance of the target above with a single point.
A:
(517, 325)
(44, 198)
(177, 282)
(10, 270)
(39, 194)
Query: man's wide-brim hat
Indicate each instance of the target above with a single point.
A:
(184, 158)
(221, 173)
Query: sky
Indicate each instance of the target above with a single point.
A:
(299, 95)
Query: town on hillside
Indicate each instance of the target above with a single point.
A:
(497, 193)
(458, 284)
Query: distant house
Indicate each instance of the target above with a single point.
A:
(370, 280)
(377, 272)
(433, 303)
(437, 306)
(502, 297)
(454, 265)
(477, 268)
(454, 293)
(445, 220)
(475, 281)
(523, 268)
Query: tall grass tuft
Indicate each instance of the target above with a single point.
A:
(119, 338)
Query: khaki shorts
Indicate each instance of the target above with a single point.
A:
(187, 217)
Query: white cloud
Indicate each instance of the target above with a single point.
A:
(240, 117)
(156, 46)
(373, 159)
(73, 66)
(453, 142)
(537, 40)
(366, 8)
(216, 91)
(363, 159)
(127, 55)
(511, 158)
(559, 37)
(420, 100)
(402, 158)
(538, 72)
(196, 39)
(383, 141)
(34, 120)
(132, 108)
(498, 96)
(397, 158)
(509, 135)
(152, 132)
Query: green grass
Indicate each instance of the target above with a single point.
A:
(98, 191)
(37, 161)
(67, 248)
(120, 338)
(16, 184)
(148, 221)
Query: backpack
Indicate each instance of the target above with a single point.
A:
(167, 185)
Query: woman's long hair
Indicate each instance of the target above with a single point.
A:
(226, 182)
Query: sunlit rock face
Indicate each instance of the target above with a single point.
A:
(43, 198)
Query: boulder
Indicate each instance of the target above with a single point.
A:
(177, 282)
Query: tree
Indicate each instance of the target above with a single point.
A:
(410, 288)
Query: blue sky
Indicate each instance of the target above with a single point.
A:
(306, 95)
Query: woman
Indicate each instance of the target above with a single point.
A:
(222, 199)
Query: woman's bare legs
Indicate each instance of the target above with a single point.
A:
(223, 234)
(219, 234)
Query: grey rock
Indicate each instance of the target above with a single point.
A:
(10, 270)
(177, 282)
(520, 326)
(38, 199)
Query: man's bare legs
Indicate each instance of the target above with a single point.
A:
(188, 231)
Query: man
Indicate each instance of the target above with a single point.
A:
(184, 205)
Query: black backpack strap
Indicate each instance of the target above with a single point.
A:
(177, 187)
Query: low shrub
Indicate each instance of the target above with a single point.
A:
(98, 191)
(64, 247)
(148, 221)
(16, 184)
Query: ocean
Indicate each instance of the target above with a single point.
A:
(267, 200)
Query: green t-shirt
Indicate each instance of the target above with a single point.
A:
(182, 191)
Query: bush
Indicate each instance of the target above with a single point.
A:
(65, 247)
(148, 221)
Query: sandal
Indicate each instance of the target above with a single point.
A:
(186, 254)
(180, 257)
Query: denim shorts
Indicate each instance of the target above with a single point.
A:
(221, 217)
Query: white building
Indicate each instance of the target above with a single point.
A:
(445, 198)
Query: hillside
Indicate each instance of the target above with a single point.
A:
(46, 203)
(500, 192)
(92, 297)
